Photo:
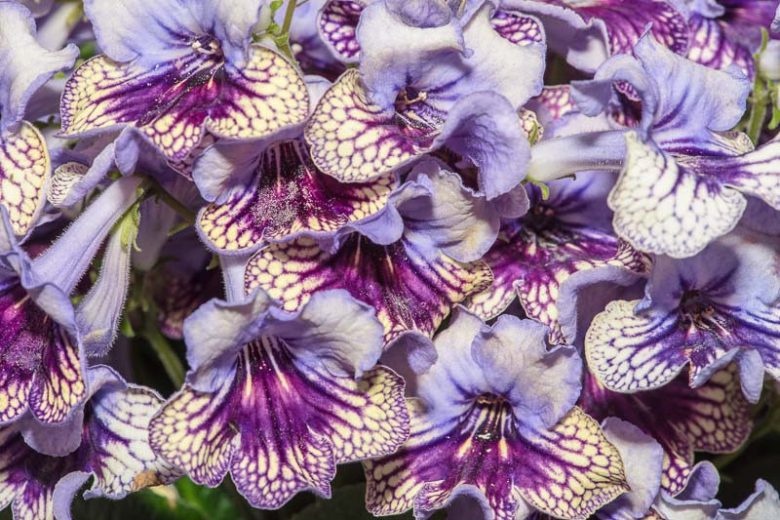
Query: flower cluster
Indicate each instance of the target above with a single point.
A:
(519, 258)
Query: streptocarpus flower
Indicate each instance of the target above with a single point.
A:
(496, 422)
(697, 501)
(412, 262)
(112, 447)
(702, 312)
(425, 82)
(728, 32)
(562, 244)
(684, 177)
(42, 337)
(338, 23)
(284, 196)
(714, 418)
(24, 158)
(175, 71)
(588, 32)
(278, 399)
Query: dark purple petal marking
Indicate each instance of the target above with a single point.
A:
(517, 28)
(114, 449)
(666, 206)
(175, 102)
(40, 366)
(24, 172)
(409, 291)
(568, 471)
(534, 256)
(626, 21)
(280, 426)
(288, 196)
(712, 45)
(714, 418)
(179, 294)
(337, 24)
(555, 100)
(354, 140)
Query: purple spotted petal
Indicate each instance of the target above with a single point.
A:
(114, 449)
(547, 255)
(669, 206)
(337, 23)
(713, 418)
(288, 196)
(553, 103)
(700, 312)
(40, 367)
(518, 28)
(25, 169)
(409, 291)
(280, 426)
(174, 103)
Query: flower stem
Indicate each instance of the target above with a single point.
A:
(170, 361)
(283, 39)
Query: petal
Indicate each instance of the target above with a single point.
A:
(409, 291)
(643, 472)
(25, 168)
(173, 102)
(763, 503)
(285, 198)
(325, 419)
(337, 23)
(713, 46)
(543, 467)
(664, 207)
(24, 64)
(122, 459)
(630, 351)
(517, 28)
(354, 140)
(59, 383)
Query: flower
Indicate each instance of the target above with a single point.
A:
(175, 71)
(278, 399)
(496, 421)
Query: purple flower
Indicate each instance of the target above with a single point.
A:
(495, 421)
(110, 445)
(43, 338)
(412, 262)
(446, 85)
(278, 399)
(563, 244)
(685, 175)
(703, 312)
(175, 71)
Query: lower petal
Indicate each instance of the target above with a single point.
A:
(337, 22)
(59, 383)
(24, 172)
(409, 291)
(665, 208)
(711, 46)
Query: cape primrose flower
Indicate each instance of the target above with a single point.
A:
(110, 445)
(685, 177)
(25, 66)
(545, 258)
(425, 81)
(702, 312)
(177, 70)
(278, 399)
(412, 262)
(495, 421)
(43, 337)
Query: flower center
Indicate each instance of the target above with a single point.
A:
(207, 45)
(489, 419)
(698, 312)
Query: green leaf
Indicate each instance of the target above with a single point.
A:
(347, 503)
